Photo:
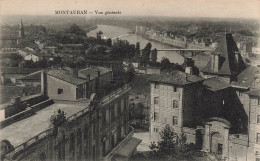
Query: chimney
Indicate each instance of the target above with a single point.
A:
(216, 62)
(98, 73)
(43, 83)
(188, 70)
(88, 77)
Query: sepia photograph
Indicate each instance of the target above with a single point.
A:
(130, 80)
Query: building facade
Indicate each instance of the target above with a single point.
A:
(71, 128)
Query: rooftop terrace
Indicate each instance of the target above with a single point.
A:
(23, 130)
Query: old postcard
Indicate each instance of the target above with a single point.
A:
(130, 80)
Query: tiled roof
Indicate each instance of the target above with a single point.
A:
(254, 93)
(247, 77)
(93, 72)
(215, 84)
(18, 70)
(66, 76)
(32, 76)
(228, 65)
(175, 77)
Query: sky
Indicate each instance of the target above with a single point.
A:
(175, 8)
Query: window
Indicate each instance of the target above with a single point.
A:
(156, 85)
(175, 120)
(60, 91)
(220, 149)
(175, 104)
(165, 120)
(156, 100)
(174, 88)
(156, 116)
(258, 137)
(258, 119)
(155, 130)
(258, 101)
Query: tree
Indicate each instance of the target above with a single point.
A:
(165, 63)
(188, 62)
(137, 50)
(99, 35)
(29, 64)
(75, 29)
(109, 42)
(172, 146)
(154, 55)
(145, 58)
(166, 146)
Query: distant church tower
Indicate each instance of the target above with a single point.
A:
(21, 31)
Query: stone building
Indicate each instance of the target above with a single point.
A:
(218, 113)
(174, 101)
(93, 127)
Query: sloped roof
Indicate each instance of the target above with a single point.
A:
(32, 76)
(228, 64)
(247, 77)
(93, 72)
(175, 77)
(18, 70)
(66, 76)
(215, 84)
(254, 93)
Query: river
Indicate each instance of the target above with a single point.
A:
(123, 34)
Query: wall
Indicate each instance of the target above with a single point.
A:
(164, 108)
(53, 84)
(79, 138)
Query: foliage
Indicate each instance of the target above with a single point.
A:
(137, 51)
(145, 58)
(109, 42)
(172, 146)
(154, 55)
(137, 111)
(122, 50)
(165, 63)
(15, 59)
(188, 62)
(75, 29)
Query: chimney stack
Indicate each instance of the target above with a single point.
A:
(216, 62)
(88, 77)
(188, 70)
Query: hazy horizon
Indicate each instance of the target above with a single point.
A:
(177, 8)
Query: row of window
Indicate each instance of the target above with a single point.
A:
(175, 103)
(116, 109)
(174, 119)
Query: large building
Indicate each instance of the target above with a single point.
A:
(218, 112)
(71, 125)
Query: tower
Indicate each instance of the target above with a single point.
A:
(21, 30)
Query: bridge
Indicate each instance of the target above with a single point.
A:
(187, 52)
(113, 38)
